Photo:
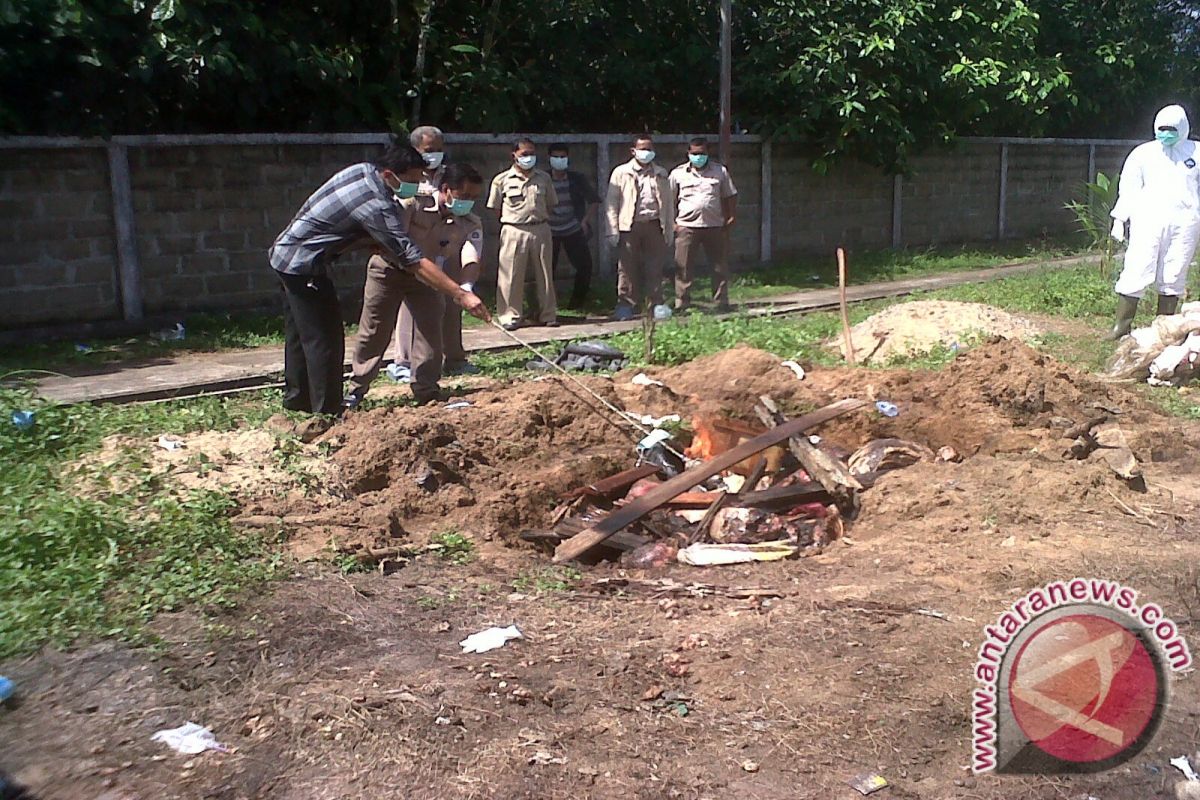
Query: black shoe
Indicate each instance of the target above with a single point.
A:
(352, 401)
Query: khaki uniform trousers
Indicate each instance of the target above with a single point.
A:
(387, 288)
(407, 332)
(640, 256)
(525, 247)
(688, 242)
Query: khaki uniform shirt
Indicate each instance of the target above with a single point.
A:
(699, 194)
(450, 242)
(522, 199)
(647, 194)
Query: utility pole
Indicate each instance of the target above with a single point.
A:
(726, 68)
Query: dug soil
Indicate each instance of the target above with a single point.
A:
(354, 686)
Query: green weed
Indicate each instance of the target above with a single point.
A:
(547, 580)
(453, 546)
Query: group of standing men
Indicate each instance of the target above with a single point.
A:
(414, 212)
(647, 211)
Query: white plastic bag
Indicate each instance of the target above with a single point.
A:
(189, 739)
(490, 639)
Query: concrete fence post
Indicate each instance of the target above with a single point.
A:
(128, 273)
(1002, 205)
(764, 214)
(1091, 173)
(897, 212)
(603, 168)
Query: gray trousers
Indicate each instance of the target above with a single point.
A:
(387, 289)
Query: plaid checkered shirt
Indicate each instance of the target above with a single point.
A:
(352, 209)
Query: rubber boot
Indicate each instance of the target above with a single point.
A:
(1167, 305)
(1126, 310)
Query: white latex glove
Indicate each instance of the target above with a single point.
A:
(1118, 230)
(467, 287)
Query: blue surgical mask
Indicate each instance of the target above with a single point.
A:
(699, 160)
(1168, 138)
(559, 163)
(459, 207)
(643, 156)
(526, 162)
(433, 160)
(406, 190)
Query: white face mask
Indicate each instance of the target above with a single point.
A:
(643, 156)
(433, 160)
(559, 162)
(526, 162)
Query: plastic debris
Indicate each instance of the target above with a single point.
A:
(710, 555)
(82, 348)
(868, 783)
(176, 334)
(1184, 765)
(650, 556)
(750, 766)
(189, 739)
(23, 419)
(399, 373)
(170, 443)
(887, 409)
(794, 367)
(662, 313)
(7, 687)
(458, 404)
(490, 639)
(642, 379)
(541, 758)
(651, 421)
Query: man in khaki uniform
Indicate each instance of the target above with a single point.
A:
(523, 196)
(705, 210)
(444, 227)
(640, 216)
(452, 238)
(430, 142)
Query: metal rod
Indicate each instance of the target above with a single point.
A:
(1002, 205)
(897, 212)
(764, 213)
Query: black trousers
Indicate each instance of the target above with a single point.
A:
(576, 245)
(314, 348)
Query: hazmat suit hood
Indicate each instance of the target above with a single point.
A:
(1176, 117)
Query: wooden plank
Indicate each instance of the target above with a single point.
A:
(581, 542)
(129, 273)
(826, 470)
(614, 483)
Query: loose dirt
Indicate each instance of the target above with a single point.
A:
(908, 329)
(333, 686)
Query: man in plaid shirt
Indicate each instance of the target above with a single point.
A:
(356, 208)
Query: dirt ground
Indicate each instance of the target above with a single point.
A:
(353, 686)
(911, 328)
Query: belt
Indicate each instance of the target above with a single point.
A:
(525, 224)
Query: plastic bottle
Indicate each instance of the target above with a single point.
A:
(887, 409)
(23, 419)
(7, 688)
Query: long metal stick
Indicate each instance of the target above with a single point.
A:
(621, 415)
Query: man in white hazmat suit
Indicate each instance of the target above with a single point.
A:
(1159, 197)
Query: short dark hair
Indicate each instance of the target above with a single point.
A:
(698, 141)
(559, 147)
(400, 157)
(459, 174)
(523, 140)
(642, 137)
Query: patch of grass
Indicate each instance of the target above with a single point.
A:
(452, 546)
(76, 563)
(1172, 402)
(547, 580)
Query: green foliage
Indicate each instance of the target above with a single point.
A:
(1092, 214)
(872, 78)
(103, 561)
(547, 580)
(453, 546)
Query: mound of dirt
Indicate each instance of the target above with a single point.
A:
(912, 328)
(492, 469)
(498, 467)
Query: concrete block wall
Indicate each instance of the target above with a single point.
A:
(812, 213)
(953, 195)
(1041, 181)
(57, 249)
(206, 209)
(206, 216)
